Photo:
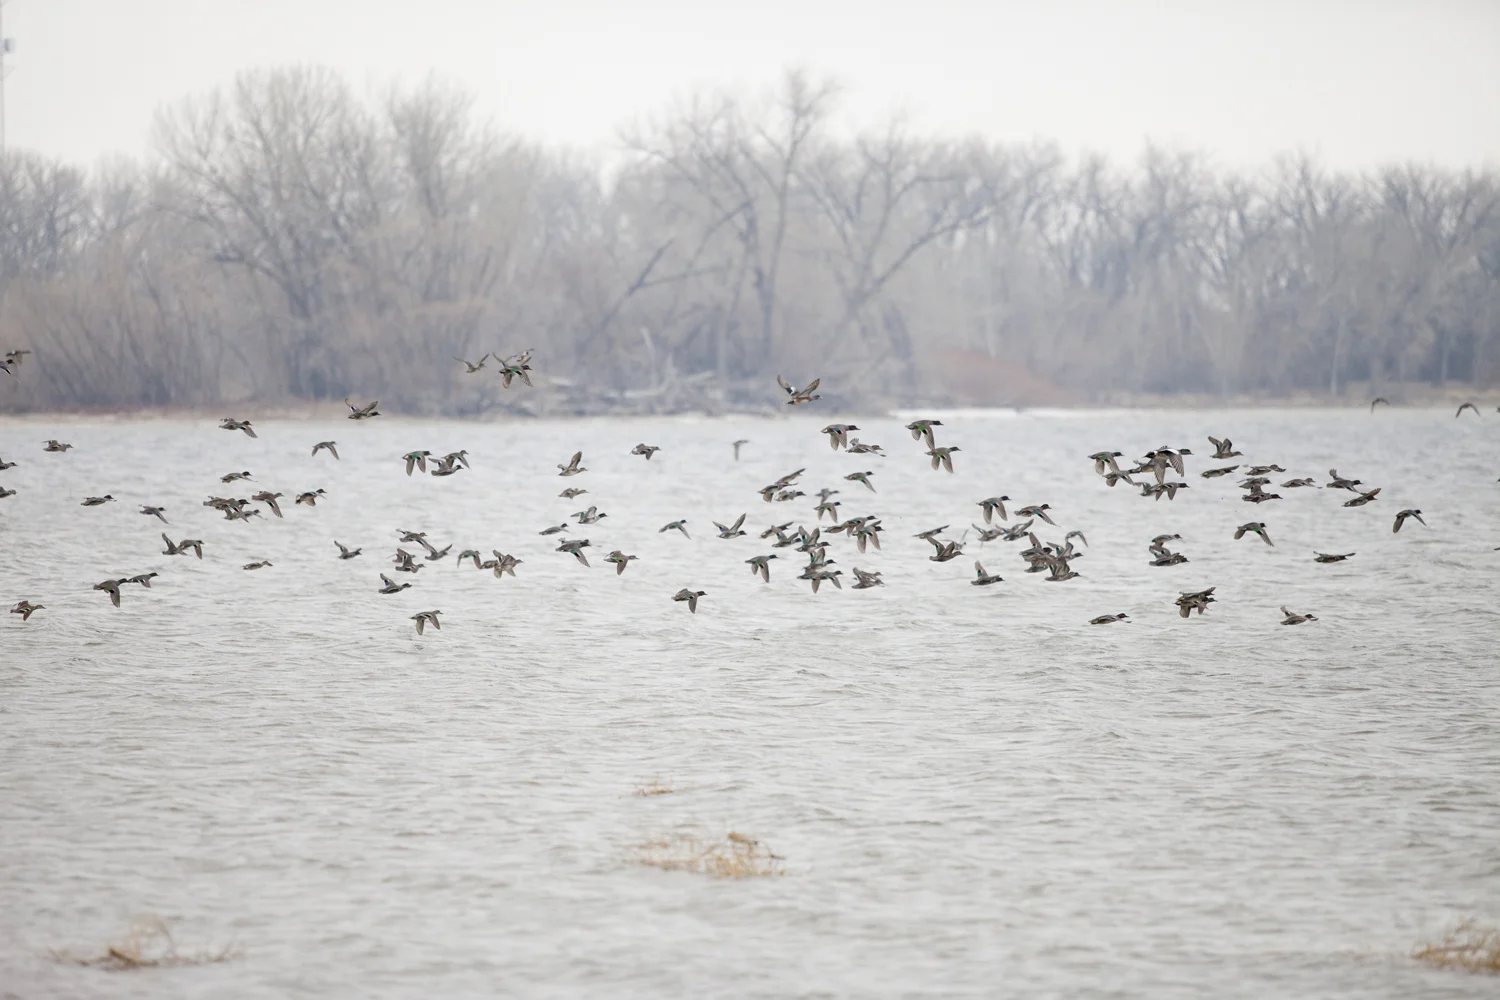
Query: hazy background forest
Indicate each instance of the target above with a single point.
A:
(292, 241)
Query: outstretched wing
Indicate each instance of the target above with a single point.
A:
(737, 523)
(785, 385)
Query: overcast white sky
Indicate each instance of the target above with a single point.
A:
(1357, 82)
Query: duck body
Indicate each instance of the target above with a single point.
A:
(690, 596)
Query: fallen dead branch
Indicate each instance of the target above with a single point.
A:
(148, 945)
(733, 856)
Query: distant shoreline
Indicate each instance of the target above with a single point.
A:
(1434, 400)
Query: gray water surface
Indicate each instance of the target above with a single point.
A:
(975, 792)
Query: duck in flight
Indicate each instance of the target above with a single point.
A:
(981, 578)
(1039, 510)
(362, 412)
(1107, 619)
(269, 499)
(992, 506)
(97, 501)
(1257, 527)
(390, 586)
(26, 609)
(731, 531)
(943, 457)
(1403, 515)
(1198, 601)
(434, 554)
(1325, 557)
(862, 477)
(1104, 461)
(620, 560)
(1292, 618)
(424, 617)
(328, 446)
(1338, 482)
(645, 449)
(55, 445)
(1222, 449)
(923, 429)
(590, 516)
(679, 525)
(1466, 406)
(737, 445)
(761, 565)
(838, 435)
(575, 546)
(231, 424)
(945, 551)
(472, 366)
(112, 588)
(345, 552)
(799, 397)
(691, 597)
(573, 468)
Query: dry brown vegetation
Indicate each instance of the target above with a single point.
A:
(654, 788)
(291, 240)
(1470, 946)
(148, 945)
(732, 856)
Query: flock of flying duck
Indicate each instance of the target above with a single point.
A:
(1154, 470)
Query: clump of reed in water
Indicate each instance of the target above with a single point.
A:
(653, 788)
(1468, 946)
(733, 856)
(148, 945)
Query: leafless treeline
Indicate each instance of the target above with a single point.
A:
(294, 242)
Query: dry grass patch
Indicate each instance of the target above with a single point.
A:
(733, 856)
(1468, 946)
(653, 788)
(148, 945)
